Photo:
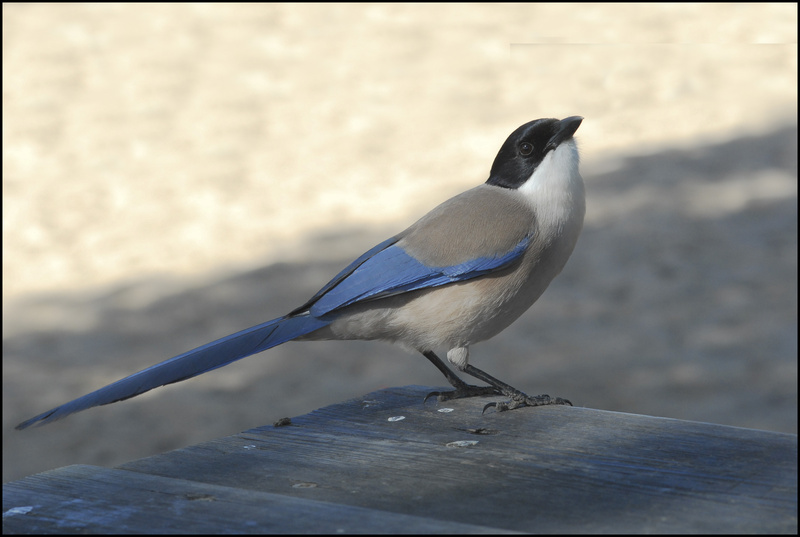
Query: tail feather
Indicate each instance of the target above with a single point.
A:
(189, 364)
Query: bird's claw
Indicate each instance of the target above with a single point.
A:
(432, 394)
(525, 400)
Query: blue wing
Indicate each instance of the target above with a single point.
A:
(345, 273)
(390, 271)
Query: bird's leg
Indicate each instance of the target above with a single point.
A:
(518, 398)
(462, 389)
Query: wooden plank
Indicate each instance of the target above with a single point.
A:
(89, 499)
(552, 469)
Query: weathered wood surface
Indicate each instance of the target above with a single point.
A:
(355, 468)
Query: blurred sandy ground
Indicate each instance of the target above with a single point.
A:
(173, 173)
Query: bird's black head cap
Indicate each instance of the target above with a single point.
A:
(526, 147)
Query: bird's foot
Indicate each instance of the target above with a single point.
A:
(520, 399)
(467, 390)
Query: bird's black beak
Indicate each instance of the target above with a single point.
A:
(566, 128)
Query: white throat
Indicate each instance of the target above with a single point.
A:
(555, 189)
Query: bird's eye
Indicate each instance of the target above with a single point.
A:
(525, 149)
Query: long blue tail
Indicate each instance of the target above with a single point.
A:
(189, 364)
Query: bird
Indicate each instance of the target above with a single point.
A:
(459, 275)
